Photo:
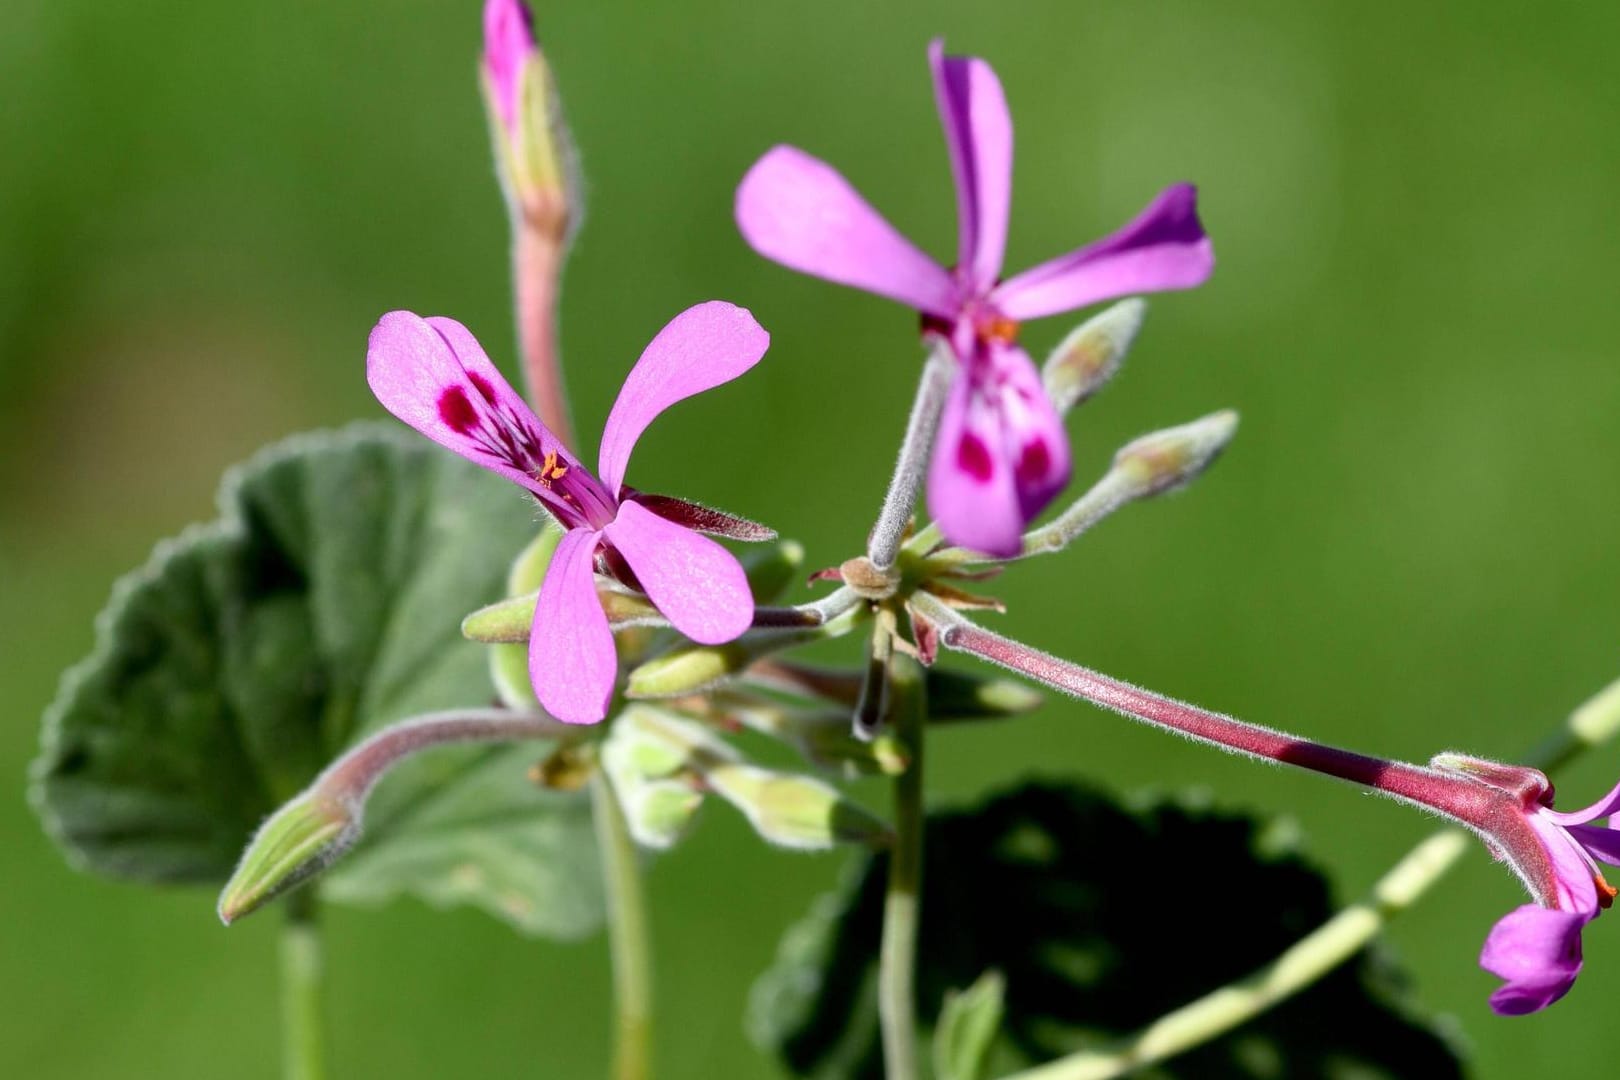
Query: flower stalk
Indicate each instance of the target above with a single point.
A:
(627, 936)
(883, 547)
(1476, 805)
(303, 1026)
(897, 963)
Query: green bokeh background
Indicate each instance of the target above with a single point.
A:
(1411, 547)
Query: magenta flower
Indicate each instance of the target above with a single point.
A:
(432, 374)
(1537, 947)
(1001, 453)
(508, 44)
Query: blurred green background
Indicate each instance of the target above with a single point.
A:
(204, 207)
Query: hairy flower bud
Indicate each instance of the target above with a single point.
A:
(1089, 357)
(795, 811)
(533, 149)
(1168, 459)
(296, 842)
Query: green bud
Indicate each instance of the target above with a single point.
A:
(1084, 361)
(1168, 459)
(296, 842)
(823, 736)
(795, 811)
(647, 758)
(963, 695)
(504, 621)
(690, 668)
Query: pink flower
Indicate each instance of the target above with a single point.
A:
(432, 374)
(1001, 453)
(1536, 947)
(508, 44)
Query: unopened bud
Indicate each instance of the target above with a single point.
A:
(823, 736)
(533, 149)
(658, 805)
(964, 695)
(510, 621)
(795, 811)
(1168, 459)
(1085, 360)
(296, 842)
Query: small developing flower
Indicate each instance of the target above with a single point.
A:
(1536, 948)
(533, 149)
(433, 374)
(1001, 454)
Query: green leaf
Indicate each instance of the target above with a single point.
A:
(324, 603)
(968, 1022)
(1101, 919)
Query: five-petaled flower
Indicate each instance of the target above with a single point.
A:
(1001, 453)
(432, 374)
(1536, 947)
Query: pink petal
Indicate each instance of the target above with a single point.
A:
(1000, 456)
(572, 663)
(699, 349)
(508, 42)
(431, 374)
(797, 210)
(1574, 883)
(1164, 248)
(697, 584)
(1538, 951)
(978, 132)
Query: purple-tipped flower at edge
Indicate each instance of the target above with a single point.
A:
(1001, 454)
(433, 374)
(1536, 948)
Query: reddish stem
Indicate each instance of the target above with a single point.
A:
(537, 255)
(1466, 801)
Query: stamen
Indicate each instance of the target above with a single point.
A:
(1606, 892)
(999, 328)
(550, 470)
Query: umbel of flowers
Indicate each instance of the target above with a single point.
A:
(638, 618)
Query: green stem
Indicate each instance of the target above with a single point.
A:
(303, 1033)
(1331, 944)
(627, 935)
(897, 970)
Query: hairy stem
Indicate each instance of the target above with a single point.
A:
(1465, 801)
(884, 544)
(897, 961)
(537, 256)
(627, 935)
(303, 1031)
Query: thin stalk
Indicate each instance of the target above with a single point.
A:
(303, 1030)
(627, 935)
(1331, 944)
(538, 250)
(884, 545)
(1463, 800)
(897, 960)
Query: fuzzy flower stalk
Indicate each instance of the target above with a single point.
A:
(1535, 949)
(536, 165)
(432, 374)
(1001, 454)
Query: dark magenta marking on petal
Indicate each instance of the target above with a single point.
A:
(483, 386)
(456, 411)
(973, 457)
(1035, 462)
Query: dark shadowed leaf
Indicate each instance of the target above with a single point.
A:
(324, 603)
(1101, 919)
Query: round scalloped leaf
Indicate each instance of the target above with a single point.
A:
(324, 603)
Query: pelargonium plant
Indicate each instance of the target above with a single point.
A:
(619, 665)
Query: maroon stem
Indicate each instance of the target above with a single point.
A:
(537, 255)
(352, 776)
(1466, 801)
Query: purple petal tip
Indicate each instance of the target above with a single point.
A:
(508, 42)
